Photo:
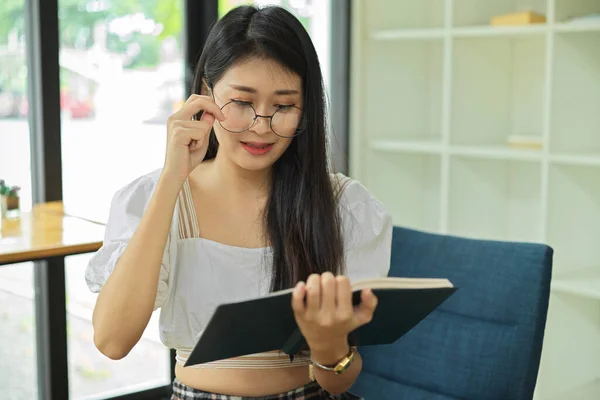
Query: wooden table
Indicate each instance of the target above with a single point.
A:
(47, 232)
(46, 235)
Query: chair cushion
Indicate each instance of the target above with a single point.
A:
(382, 389)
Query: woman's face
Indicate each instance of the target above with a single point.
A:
(257, 87)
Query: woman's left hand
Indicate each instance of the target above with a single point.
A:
(324, 311)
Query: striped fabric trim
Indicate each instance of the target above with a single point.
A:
(188, 220)
(310, 391)
(266, 360)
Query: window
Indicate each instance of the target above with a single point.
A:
(122, 75)
(18, 373)
(14, 128)
(92, 374)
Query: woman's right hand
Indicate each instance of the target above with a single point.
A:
(187, 139)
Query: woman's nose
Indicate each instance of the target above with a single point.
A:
(262, 125)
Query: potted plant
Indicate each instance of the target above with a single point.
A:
(9, 196)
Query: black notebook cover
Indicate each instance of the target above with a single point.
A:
(268, 323)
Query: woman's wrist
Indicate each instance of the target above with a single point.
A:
(329, 354)
(170, 183)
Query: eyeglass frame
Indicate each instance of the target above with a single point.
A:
(270, 117)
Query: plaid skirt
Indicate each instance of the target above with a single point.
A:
(311, 391)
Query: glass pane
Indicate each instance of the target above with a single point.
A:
(122, 75)
(92, 374)
(18, 373)
(14, 128)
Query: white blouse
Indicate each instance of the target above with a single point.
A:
(198, 274)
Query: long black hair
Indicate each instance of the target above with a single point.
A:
(302, 223)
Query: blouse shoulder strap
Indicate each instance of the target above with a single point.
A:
(339, 183)
(188, 221)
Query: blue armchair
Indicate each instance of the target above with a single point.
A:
(484, 343)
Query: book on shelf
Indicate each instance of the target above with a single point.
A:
(268, 324)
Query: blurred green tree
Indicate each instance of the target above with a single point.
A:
(79, 17)
(12, 19)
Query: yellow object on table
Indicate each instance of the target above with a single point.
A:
(520, 18)
(47, 232)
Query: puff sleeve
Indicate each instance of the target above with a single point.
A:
(367, 231)
(126, 210)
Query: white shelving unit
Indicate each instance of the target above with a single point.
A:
(439, 97)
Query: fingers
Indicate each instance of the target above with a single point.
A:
(364, 312)
(327, 300)
(327, 313)
(196, 103)
(193, 135)
(184, 132)
(192, 97)
(298, 299)
(313, 297)
(328, 292)
(345, 308)
(203, 124)
(208, 117)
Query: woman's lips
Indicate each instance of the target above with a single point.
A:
(257, 148)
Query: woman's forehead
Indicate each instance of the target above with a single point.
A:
(261, 76)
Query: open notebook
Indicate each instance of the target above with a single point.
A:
(267, 323)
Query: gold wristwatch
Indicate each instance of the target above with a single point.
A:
(338, 368)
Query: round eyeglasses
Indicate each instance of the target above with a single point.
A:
(241, 116)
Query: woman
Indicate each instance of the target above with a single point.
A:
(244, 205)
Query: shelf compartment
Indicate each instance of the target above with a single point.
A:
(393, 15)
(576, 159)
(589, 390)
(496, 152)
(575, 116)
(495, 199)
(574, 28)
(573, 219)
(473, 12)
(585, 283)
(405, 101)
(508, 31)
(394, 146)
(498, 89)
(574, 12)
(412, 196)
(570, 366)
(408, 34)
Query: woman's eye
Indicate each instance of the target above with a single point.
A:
(241, 102)
(284, 108)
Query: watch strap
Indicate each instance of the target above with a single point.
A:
(341, 366)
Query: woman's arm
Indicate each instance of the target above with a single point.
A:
(325, 314)
(336, 384)
(126, 301)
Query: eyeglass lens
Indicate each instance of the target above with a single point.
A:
(241, 116)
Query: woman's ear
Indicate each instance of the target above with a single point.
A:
(205, 89)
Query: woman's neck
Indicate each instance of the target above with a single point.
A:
(232, 179)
